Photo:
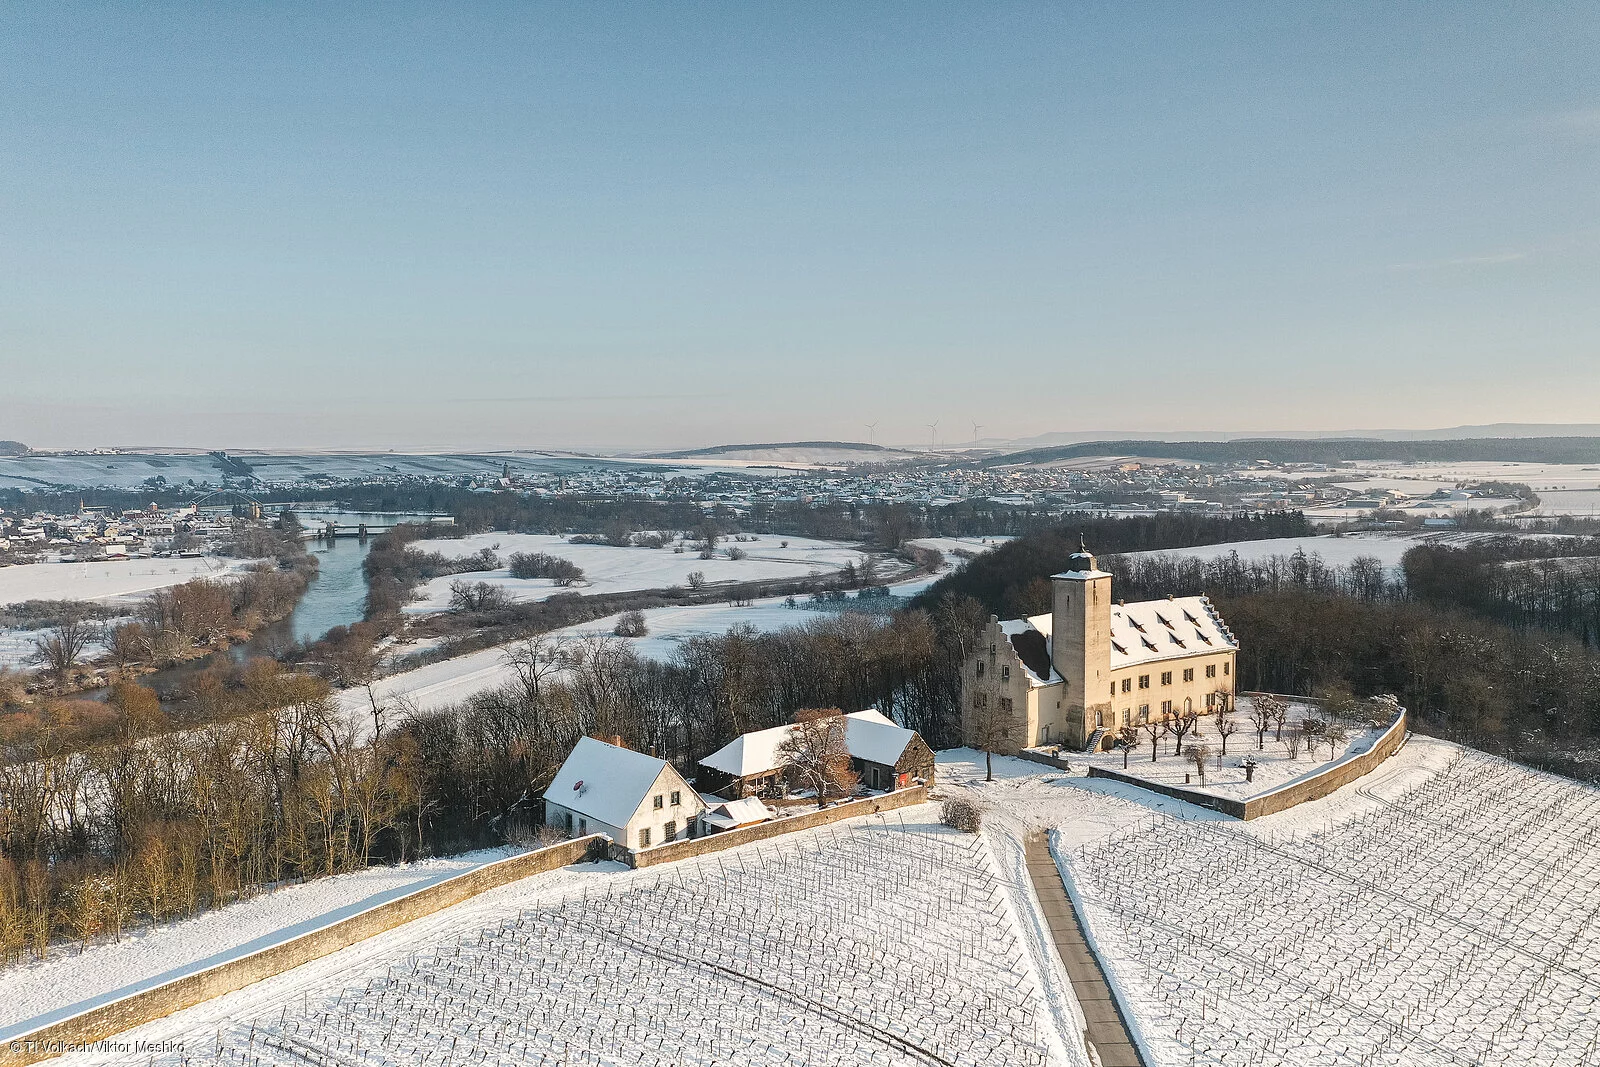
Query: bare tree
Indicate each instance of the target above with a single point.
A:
(1280, 715)
(61, 650)
(696, 580)
(1128, 738)
(1262, 713)
(1335, 733)
(1291, 741)
(991, 729)
(1198, 754)
(1315, 732)
(1225, 730)
(1181, 723)
(1155, 729)
(534, 660)
(816, 752)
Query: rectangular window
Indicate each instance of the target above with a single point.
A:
(669, 832)
(1166, 677)
(1005, 673)
(980, 668)
(656, 803)
(1127, 716)
(583, 827)
(1144, 712)
(677, 798)
(1144, 681)
(1166, 708)
(644, 837)
(1211, 670)
(1005, 703)
(1127, 685)
(1224, 668)
(1188, 674)
(980, 700)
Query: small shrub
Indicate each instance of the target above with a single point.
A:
(631, 624)
(961, 814)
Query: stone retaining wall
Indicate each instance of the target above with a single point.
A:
(700, 846)
(162, 1000)
(1340, 774)
(1286, 796)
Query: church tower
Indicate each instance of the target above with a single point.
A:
(1080, 642)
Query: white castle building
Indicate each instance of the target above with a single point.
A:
(1092, 665)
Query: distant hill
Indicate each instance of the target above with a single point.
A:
(14, 448)
(722, 450)
(1329, 450)
(1453, 433)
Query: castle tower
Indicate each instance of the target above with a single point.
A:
(1080, 644)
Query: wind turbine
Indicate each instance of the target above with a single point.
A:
(872, 432)
(933, 429)
(975, 428)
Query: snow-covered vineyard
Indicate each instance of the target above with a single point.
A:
(877, 942)
(1453, 923)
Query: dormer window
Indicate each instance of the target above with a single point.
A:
(1136, 625)
(1163, 620)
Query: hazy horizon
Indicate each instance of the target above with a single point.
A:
(658, 227)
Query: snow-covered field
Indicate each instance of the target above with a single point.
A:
(608, 569)
(452, 681)
(70, 980)
(1335, 551)
(105, 582)
(888, 940)
(1439, 911)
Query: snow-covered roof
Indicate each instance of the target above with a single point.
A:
(1167, 629)
(873, 736)
(739, 812)
(870, 735)
(1146, 631)
(604, 782)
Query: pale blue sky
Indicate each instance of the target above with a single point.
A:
(590, 225)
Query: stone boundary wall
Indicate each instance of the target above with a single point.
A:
(1285, 796)
(1036, 756)
(1227, 805)
(700, 846)
(135, 1009)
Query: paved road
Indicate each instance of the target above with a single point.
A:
(1105, 1030)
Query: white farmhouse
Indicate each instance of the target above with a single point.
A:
(635, 799)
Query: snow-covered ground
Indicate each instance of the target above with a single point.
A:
(1225, 774)
(454, 680)
(1335, 551)
(106, 582)
(1438, 911)
(70, 981)
(608, 569)
(887, 940)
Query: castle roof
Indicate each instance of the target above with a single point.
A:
(1147, 631)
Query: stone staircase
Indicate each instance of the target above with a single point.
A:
(1093, 744)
